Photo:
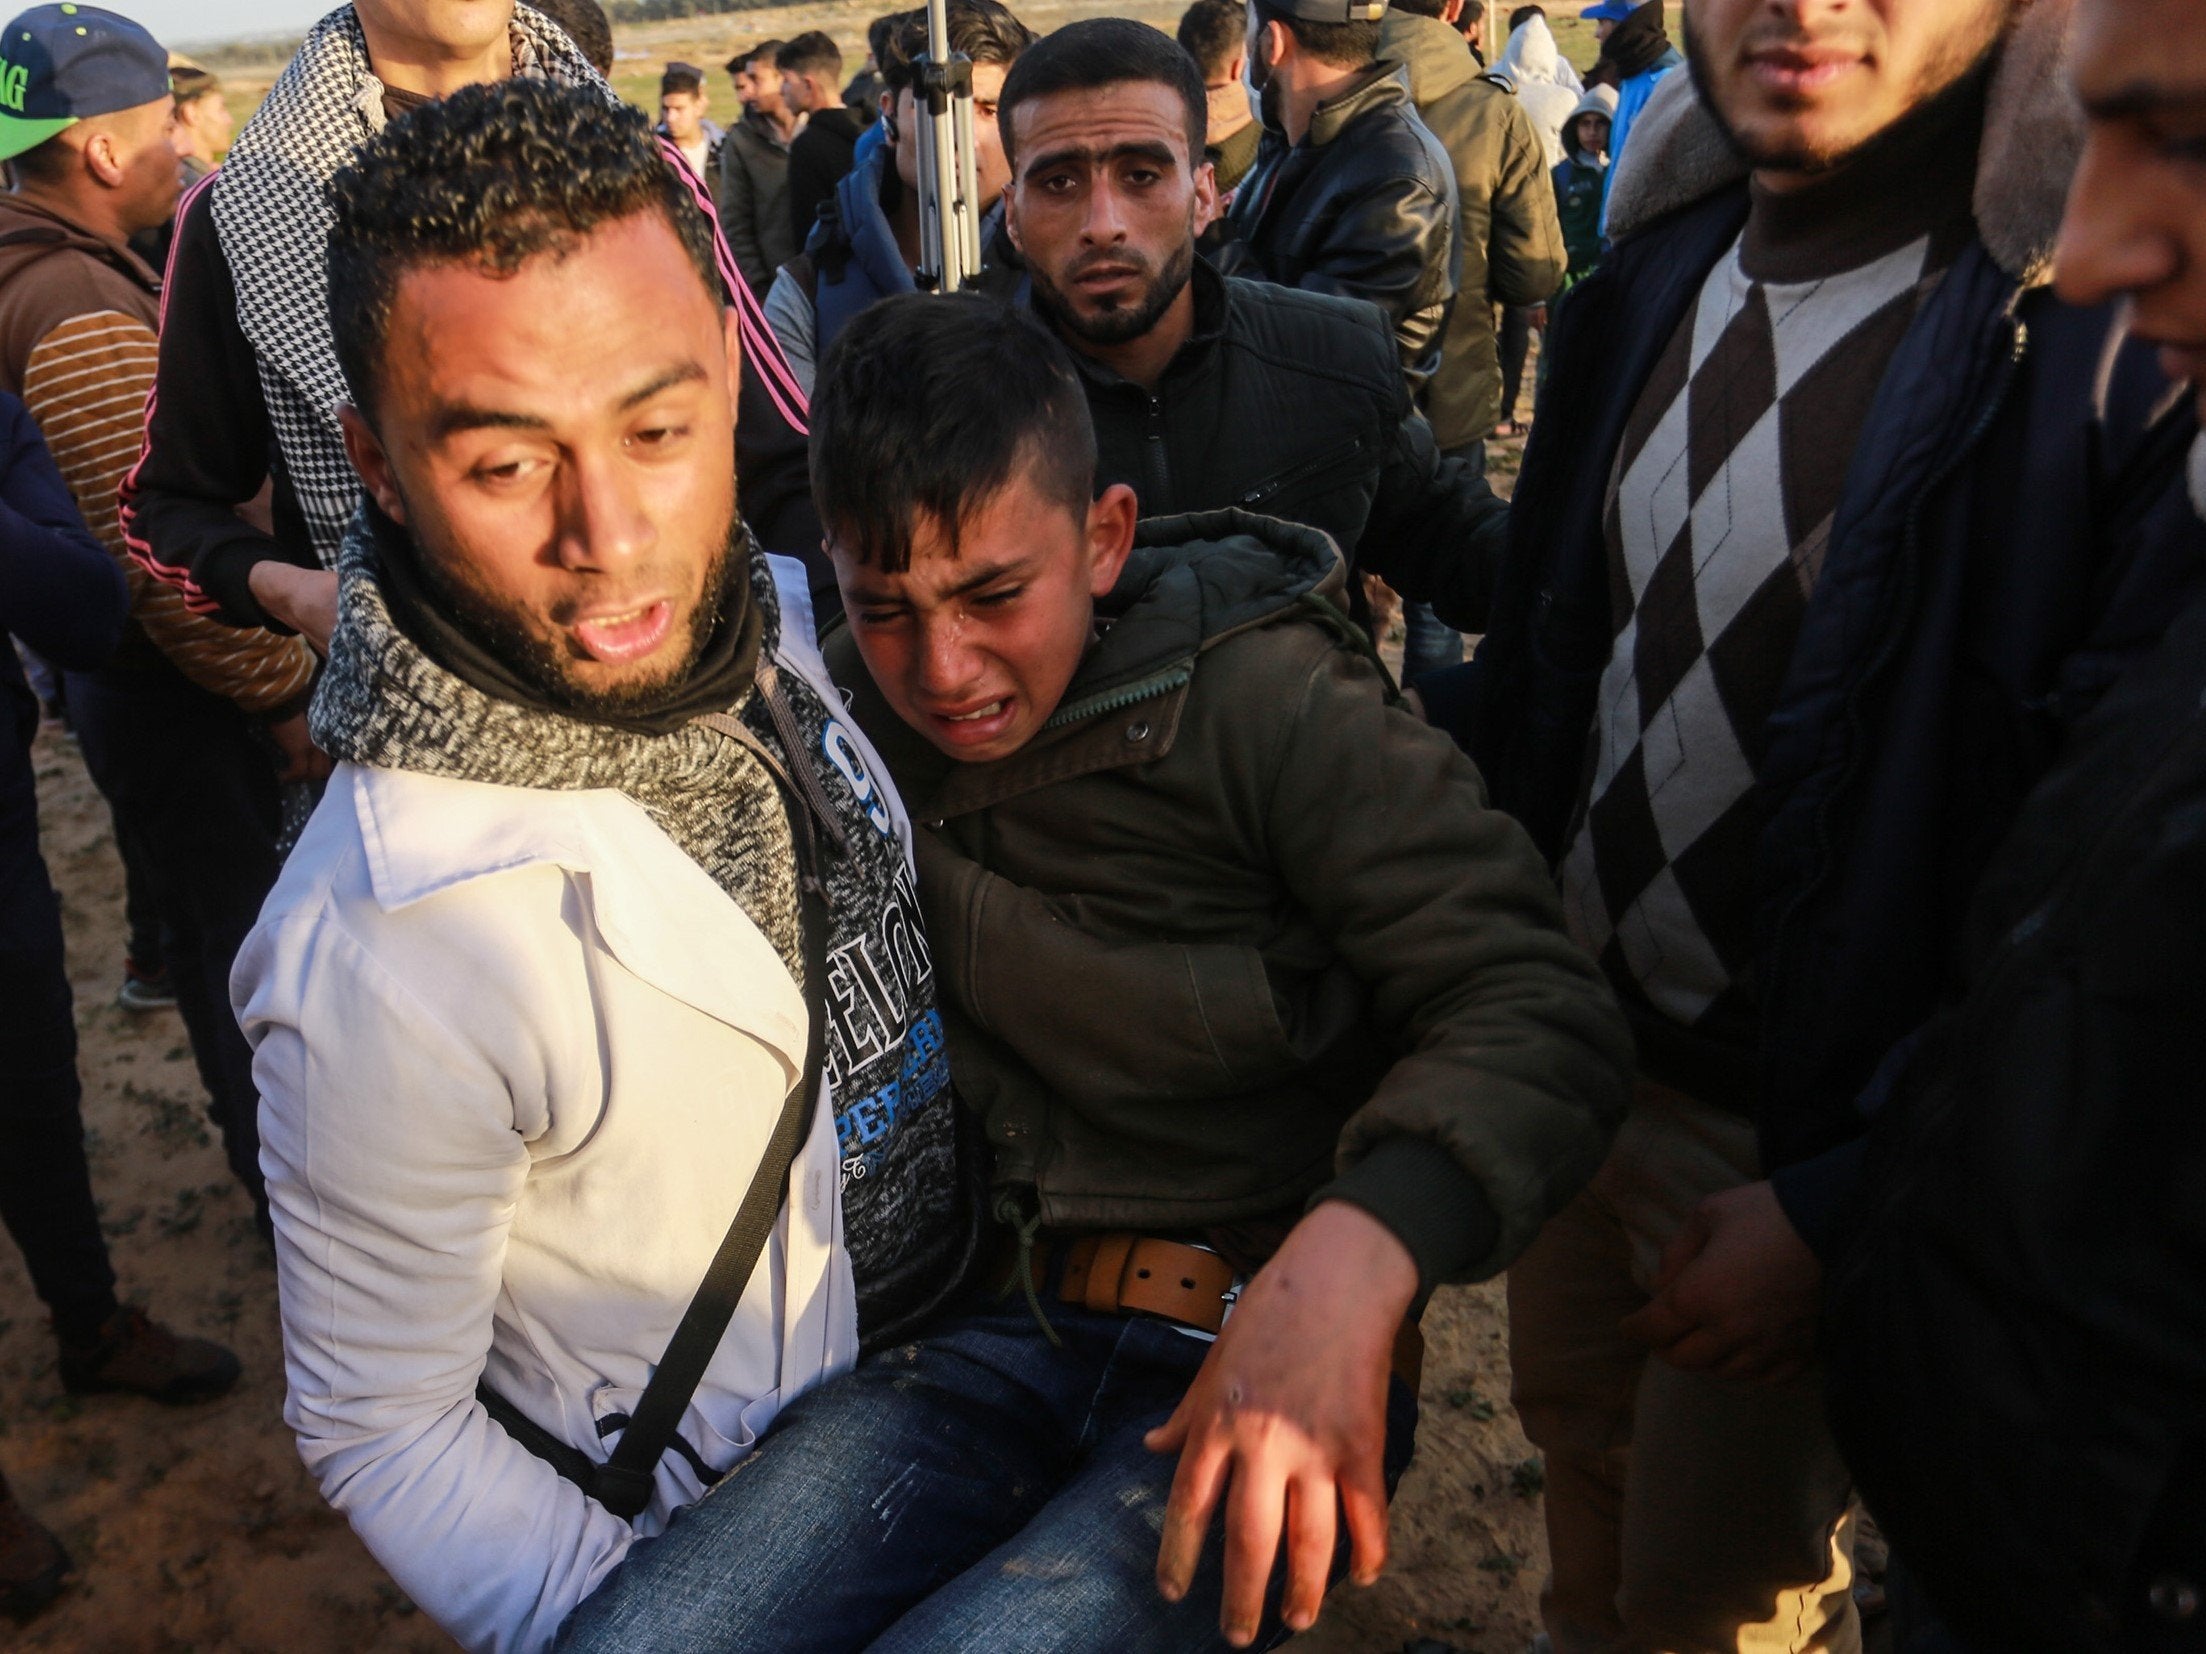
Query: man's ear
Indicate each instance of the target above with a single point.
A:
(1207, 208)
(365, 449)
(1238, 69)
(1111, 518)
(103, 158)
(1010, 199)
(1453, 10)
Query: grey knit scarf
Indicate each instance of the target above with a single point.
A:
(273, 216)
(383, 702)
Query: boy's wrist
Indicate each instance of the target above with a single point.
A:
(1425, 1198)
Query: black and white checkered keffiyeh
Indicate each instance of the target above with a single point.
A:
(272, 212)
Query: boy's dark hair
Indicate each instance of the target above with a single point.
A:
(491, 176)
(927, 406)
(682, 77)
(983, 30)
(1523, 15)
(1344, 45)
(584, 22)
(1104, 51)
(812, 53)
(1211, 32)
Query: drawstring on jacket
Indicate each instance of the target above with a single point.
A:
(1012, 1209)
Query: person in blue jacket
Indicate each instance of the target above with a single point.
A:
(1635, 54)
(63, 596)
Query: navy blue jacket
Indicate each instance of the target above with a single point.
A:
(60, 592)
(2013, 528)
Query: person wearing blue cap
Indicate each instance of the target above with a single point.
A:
(1635, 54)
(176, 727)
(1605, 16)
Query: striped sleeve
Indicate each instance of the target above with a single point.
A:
(86, 385)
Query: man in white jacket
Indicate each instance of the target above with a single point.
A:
(530, 996)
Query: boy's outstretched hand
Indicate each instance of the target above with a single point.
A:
(1287, 1421)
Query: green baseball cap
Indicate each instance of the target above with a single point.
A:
(61, 63)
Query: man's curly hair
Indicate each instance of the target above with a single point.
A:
(492, 176)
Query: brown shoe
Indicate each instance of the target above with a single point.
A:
(32, 1562)
(137, 1354)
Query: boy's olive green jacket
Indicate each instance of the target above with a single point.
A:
(1234, 932)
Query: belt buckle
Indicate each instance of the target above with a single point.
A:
(1231, 1298)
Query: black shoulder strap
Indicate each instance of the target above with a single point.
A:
(623, 1483)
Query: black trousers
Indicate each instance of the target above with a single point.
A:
(194, 784)
(45, 1185)
(1514, 344)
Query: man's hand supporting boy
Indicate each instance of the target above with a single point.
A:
(1287, 1421)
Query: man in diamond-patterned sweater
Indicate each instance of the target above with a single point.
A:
(1835, 521)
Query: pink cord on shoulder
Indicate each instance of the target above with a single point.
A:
(760, 347)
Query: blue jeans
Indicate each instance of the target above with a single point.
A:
(974, 1489)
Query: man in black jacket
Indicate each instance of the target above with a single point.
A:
(1350, 193)
(811, 82)
(2016, 1330)
(1835, 520)
(1210, 391)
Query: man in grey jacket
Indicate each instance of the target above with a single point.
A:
(752, 192)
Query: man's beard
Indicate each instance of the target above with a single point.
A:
(540, 662)
(1128, 322)
(1945, 80)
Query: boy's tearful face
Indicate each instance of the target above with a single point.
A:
(973, 646)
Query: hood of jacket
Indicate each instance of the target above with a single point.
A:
(2033, 139)
(1638, 44)
(1601, 101)
(1434, 54)
(30, 232)
(1531, 54)
(859, 230)
(1192, 582)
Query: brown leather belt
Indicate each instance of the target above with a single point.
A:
(1121, 1273)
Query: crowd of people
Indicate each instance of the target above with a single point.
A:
(858, 1011)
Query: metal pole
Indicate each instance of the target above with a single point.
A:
(949, 219)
